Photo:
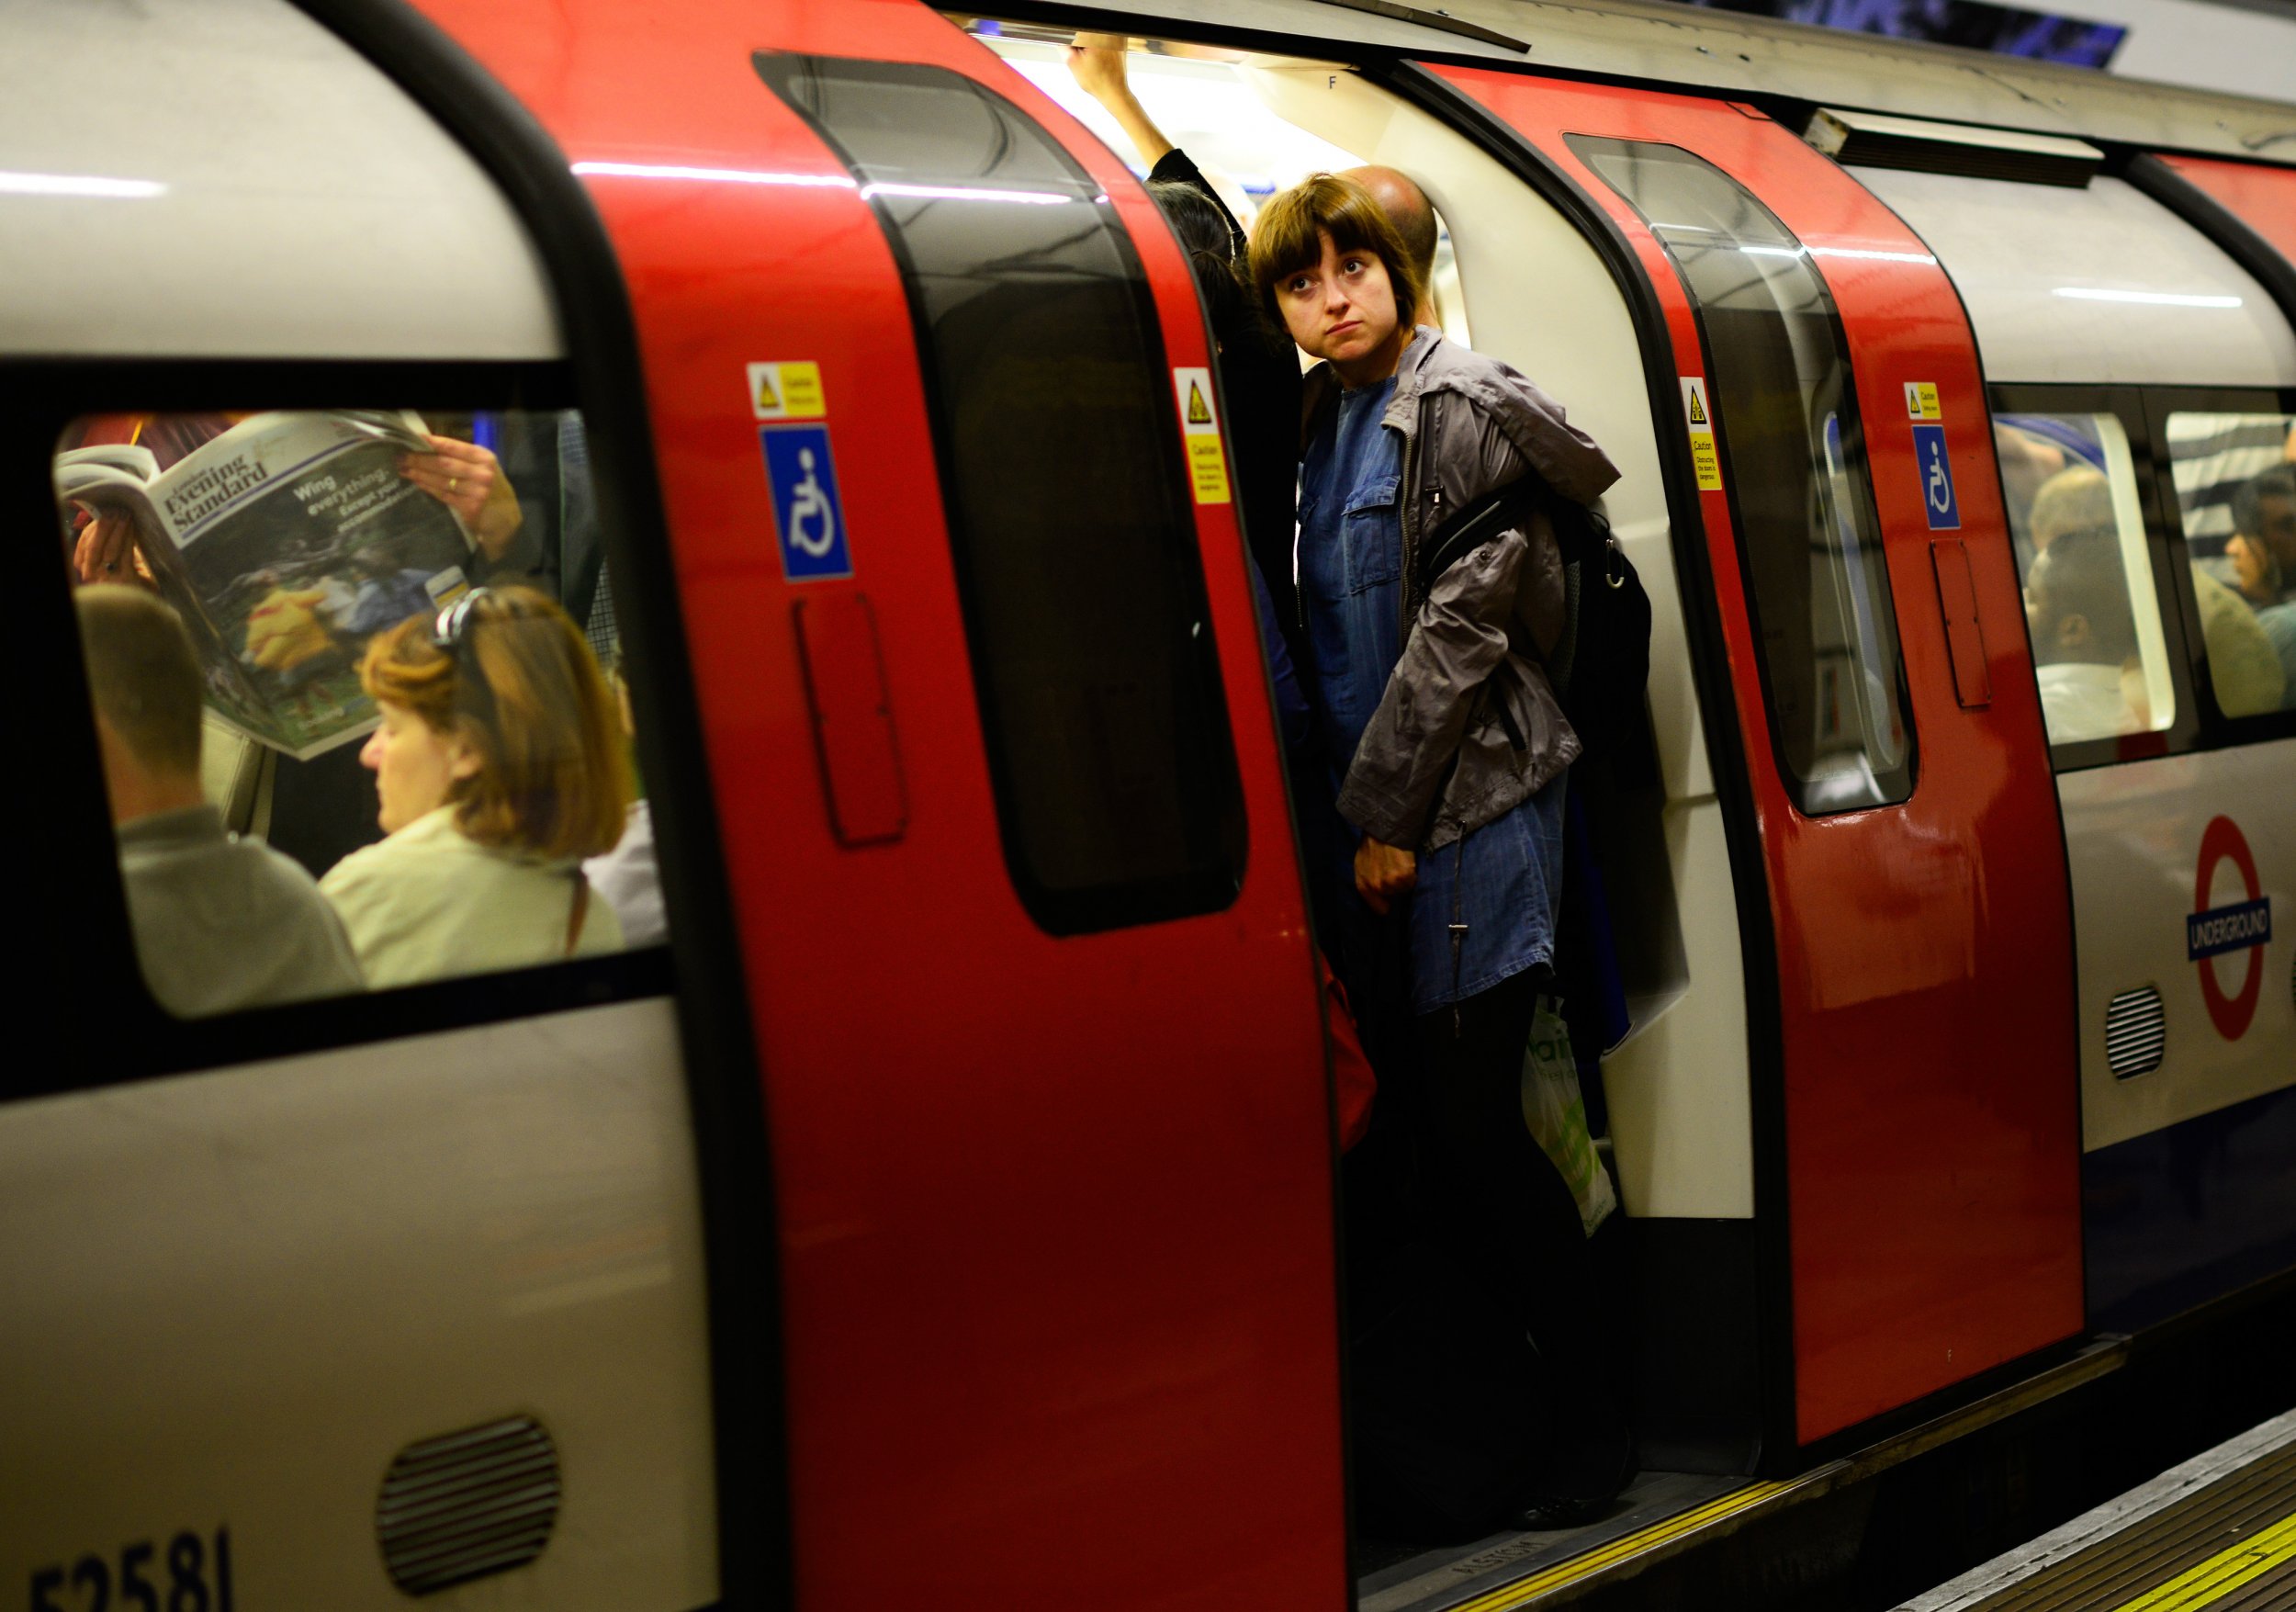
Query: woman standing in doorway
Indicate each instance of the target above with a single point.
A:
(1452, 747)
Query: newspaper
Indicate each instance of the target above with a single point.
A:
(285, 544)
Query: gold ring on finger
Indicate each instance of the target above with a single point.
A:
(453, 482)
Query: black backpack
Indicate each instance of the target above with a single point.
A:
(1601, 664)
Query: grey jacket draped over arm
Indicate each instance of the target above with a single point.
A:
(1470, 684)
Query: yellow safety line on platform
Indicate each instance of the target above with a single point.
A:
(2222, 1573)
(1620, 1550)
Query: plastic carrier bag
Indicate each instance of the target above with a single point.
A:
(1556, 1113)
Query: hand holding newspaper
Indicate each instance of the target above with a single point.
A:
(285, 544)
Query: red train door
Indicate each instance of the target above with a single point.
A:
(992, 751)
(1923, 1138)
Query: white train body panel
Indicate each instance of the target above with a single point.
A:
(228, 180)
(233, 1298)
(2055, 292)
(2134, 834)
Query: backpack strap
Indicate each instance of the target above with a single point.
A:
(1472, 524)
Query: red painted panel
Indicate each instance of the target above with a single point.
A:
(2263, 198)
(852, 718)
(1964, 630)
(1056, 1214)
(1925, 950)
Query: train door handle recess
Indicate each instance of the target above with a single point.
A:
(853, 718)
(1965, 636)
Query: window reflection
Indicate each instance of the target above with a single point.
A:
(1792, 447)
(1060, 472)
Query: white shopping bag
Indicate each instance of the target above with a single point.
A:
(1556, 1113)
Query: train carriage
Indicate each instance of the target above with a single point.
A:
(946, 1206)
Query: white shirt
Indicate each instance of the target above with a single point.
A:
(629, 878)
(2079, 700)
(429, 902)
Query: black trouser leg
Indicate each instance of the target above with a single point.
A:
(1523, 1213)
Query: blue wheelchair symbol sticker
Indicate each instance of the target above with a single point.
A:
(806, 510)
(1937, 479)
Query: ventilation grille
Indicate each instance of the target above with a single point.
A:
(466, 1505)
(1872, 141)
(2136, 1032)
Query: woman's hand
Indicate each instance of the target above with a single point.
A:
(106, 551)
(468, 479)
(1096, 61)
(1383, 874)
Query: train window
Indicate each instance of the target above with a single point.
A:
(2236, 480)
(1061, 471)
(1787, 419)
(2069, 482)
(354, 677)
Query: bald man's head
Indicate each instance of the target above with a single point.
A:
(1407, 208)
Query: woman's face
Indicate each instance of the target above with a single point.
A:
(1343, 308)
(415, 765)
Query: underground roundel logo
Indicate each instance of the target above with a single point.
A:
(2212, 932)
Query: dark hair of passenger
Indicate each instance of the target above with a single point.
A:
(1288, 239)
(521, 687)
(2247, 501)
(142, 675)
(1203, 232)
(2081, 574)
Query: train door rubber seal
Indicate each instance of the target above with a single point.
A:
(746, 1388)
(1726, 750)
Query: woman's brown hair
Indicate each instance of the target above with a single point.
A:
(520, 686)
(1286, 238)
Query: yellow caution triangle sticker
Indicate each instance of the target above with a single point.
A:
(1697, 408)
(766, 397)
(1198, 411)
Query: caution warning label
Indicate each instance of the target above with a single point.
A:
(789, 389)
(1199, 428)
(1704, 460)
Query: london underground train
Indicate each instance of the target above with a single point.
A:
(943, 1208)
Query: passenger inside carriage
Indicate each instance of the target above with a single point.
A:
(2263, 556)
(2084, 633)
(220, 922)
(498, 770)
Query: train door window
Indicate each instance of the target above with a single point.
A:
(354, 677)
(1064, 485)
(2077, 521)
(2234, 476)
(1787, 420)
